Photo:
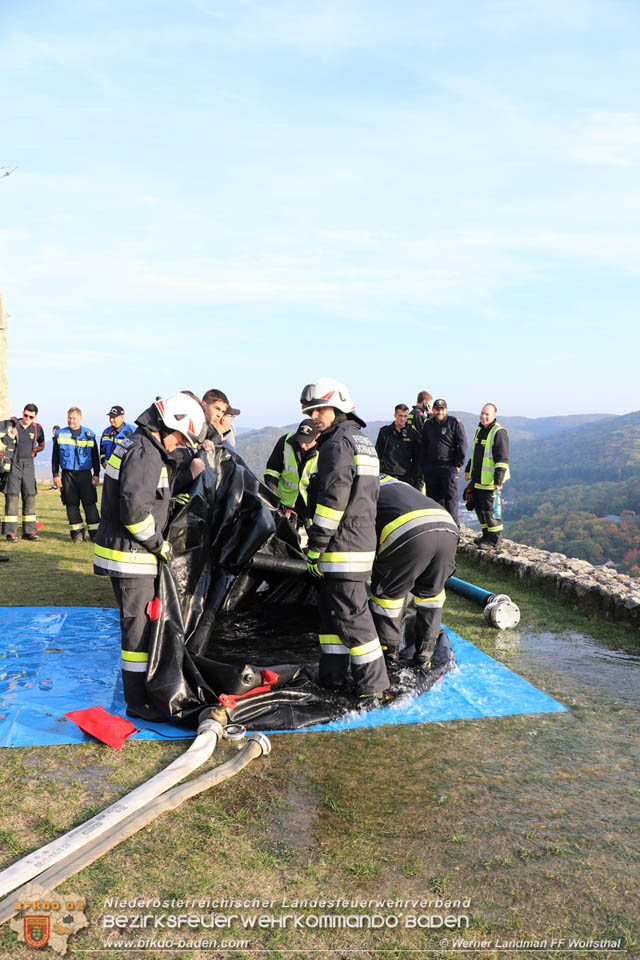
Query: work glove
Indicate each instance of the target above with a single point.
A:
(166, 551)
(312, 564)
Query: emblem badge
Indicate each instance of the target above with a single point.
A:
(37, 931)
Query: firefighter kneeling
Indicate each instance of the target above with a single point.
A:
(417, 541)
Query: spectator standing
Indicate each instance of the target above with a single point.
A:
(444, 450)
(226, 425)
(290, 466)
(23, 439)
(419, 414)
(215, 404)
(115, 432)
(398, 450)
(488, 470)
(75, 454)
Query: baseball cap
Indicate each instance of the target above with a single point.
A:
(233, 411)
(307, 431)
(440, 405)
(115, 411)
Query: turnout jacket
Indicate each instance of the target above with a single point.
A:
(444, 443)
(488, 465)
(342, 501)
(140, 478)
(110, 439)
(403, 512)
(75, 450)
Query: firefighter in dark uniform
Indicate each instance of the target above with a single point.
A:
(20, 441)
(488, 470)
(419, 414)
(142, 474)
(115, 432)
(342, 541)
(289, 468)
(444, 451)
(75, 452)
(398, 450)
(417, 541)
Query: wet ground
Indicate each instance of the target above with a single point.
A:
(576, 660)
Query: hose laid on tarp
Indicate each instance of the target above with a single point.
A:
(257, 745)
(208, 734)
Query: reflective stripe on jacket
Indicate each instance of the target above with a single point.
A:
(494, 445)
(140, 477)
(342, 494)
(403, 511)
(111, 438)
(75, 452)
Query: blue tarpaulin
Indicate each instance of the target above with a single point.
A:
(57, 659)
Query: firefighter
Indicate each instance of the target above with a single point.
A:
(417, 541)
(398, 450)
(20, 441)
(75, 452)
(342, 540)
(290, 466)
(112, 434)
(444, 450)
(142, 474)
(488, 470)
(419, 414)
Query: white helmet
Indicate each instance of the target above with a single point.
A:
(181, 412)
(326, 392)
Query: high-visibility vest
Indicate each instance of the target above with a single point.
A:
(488, 467)
(289, 480)
(76, 452)
(307, 472)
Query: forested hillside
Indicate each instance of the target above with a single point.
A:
(579, 493)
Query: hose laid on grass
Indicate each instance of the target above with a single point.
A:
(257, 745)
(208, 734)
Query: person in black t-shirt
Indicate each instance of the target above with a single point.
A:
(20, 441)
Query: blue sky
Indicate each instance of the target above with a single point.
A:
(250, 195)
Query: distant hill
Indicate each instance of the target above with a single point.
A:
(593, 453)
(256, 445)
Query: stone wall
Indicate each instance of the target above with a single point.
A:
(602, 590)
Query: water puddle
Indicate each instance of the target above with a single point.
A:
(573, 656)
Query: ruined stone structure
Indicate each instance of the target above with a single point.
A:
(5, 404)
(602, 590)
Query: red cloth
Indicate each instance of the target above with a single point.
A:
(111, 729)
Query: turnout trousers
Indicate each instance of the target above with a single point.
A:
(77, 488)
(491, 528)
(21, 481)
(348, 638)
(420, 563)
(442, 486)
(132, 596)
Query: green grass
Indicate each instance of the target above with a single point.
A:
(533, 818)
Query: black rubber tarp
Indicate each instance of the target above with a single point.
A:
(234, 550)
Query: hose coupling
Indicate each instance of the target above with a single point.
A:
(265, 743)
